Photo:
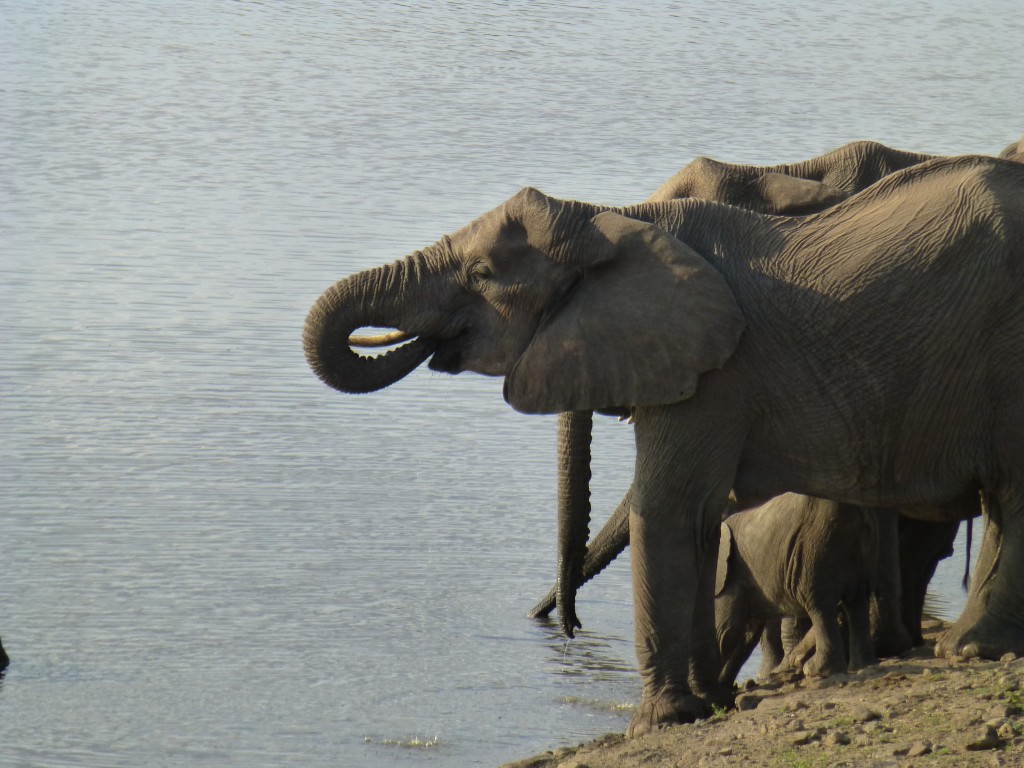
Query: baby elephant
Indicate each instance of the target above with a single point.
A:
(799, 557)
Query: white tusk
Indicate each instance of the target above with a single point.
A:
(381, 340)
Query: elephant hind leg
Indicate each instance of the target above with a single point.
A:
(992, 622)
(829, 652)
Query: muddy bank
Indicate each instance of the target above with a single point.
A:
(913, 711)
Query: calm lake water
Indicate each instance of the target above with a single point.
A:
(209, 558)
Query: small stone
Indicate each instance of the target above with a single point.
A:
(1005, 731)
(748, 701)
(919, 749)
(1009, 682)
(1006, 658)
(725, 751)
(927, 672)
(985, 738)
(835, 738)
(1000, 711)
(802, 737)
(821, 683)
(862, 714)
(794, 705)
(995, 723)
(900, 751)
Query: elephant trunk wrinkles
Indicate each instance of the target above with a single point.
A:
(371, 298)
(605, 547)
(574, 436)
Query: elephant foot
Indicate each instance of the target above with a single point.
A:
(665, 710)
(716, 695)
(802, 653)
(823, 665)
(985, 638)
(892, 642)
(860, 661)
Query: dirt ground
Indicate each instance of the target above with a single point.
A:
(912, 711)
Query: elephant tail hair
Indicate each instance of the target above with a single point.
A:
(967, 564)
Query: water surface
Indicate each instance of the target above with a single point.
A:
(208, 557)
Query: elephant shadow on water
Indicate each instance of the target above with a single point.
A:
(867, 353)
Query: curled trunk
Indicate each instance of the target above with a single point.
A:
(377, 297)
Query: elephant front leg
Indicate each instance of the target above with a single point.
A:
(772, 651)
(992, 622)
(666, 566)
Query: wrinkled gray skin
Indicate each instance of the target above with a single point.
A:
(869, 353)
(789, 188)
(800, 557)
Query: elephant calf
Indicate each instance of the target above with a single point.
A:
(800, 557)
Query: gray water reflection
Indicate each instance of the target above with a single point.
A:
(209, 558)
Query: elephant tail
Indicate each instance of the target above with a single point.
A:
(967, 564)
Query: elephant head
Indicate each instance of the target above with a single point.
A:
(578, 309)
(1014, 151)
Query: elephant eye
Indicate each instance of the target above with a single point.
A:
(479, 272)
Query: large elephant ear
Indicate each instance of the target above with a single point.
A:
(724, 551)
(792, 195)
(639, 329)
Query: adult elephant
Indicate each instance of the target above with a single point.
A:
(788, 188)
(868, 353)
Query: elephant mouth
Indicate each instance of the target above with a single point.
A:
(447, 358)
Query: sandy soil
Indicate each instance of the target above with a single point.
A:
(913, 711)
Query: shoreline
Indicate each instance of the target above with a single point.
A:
(915, 710)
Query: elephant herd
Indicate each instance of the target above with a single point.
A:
(833, 348)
